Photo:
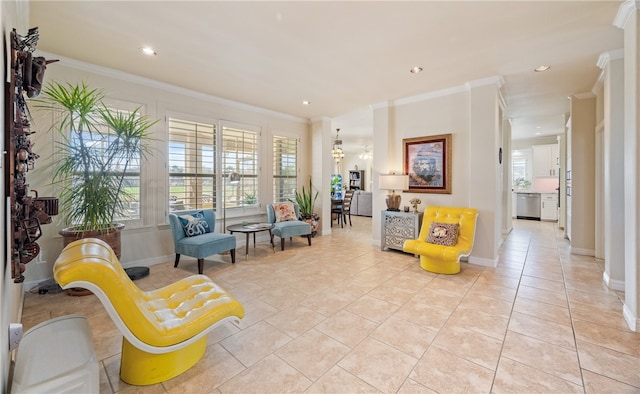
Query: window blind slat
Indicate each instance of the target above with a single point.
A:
(285, 157)
(191, 165)
(240, 155)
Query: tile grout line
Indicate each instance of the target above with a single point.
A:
(510, 314)
(573, 329)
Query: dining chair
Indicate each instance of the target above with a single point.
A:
(343, 209)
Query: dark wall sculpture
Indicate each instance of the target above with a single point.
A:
(28, 212)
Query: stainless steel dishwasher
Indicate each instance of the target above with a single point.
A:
(528, 206)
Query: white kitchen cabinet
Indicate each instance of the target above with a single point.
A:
(549, 206)
(546, 160)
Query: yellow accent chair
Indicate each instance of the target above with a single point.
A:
(165, 330)
(443, 259)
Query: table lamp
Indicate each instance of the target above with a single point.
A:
(393, 182)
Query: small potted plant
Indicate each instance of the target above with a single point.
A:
(306, 202)
(250, 199)
(521, 183)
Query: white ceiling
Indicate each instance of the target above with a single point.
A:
(345, 56)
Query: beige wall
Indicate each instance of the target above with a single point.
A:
(151, 242)
(632, 165)
(614, 177)
(583, 124)
(442, 115)
(471, 115)
(322, 168)
(507, 208)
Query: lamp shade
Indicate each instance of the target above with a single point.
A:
(394, 182)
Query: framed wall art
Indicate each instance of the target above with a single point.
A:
(427, 161)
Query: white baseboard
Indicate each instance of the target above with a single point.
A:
(483, 262)
(139, 263)
(632, 321)
(151, 261)
(612, 283)
(582, 252)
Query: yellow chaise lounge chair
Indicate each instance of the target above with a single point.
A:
(164, 329)
(438, 227)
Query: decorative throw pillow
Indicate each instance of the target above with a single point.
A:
(445, 234)
(194, 224)
(285, 211)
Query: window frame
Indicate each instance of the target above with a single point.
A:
(218, 163)
(142, 173)
(525, 155)
(240, 209)
(201, 204)
(274, 176)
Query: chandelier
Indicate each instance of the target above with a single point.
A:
(337, 152)
(366, 155)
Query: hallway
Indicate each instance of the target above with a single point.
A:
(562, 305)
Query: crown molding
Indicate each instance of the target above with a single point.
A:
(380, 105)
(123, 76)
(606, 57)
(602, 63)
(584, 95)
(429, 95)
(495, 80)
(319, 119)
(624, 12)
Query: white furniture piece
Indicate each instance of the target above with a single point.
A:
(398, 227)
(57, 356)
(546, 160)
(549, 207)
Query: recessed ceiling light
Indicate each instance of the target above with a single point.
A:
(537, 133)
(148, 51)
(306, 102)
(416, 69)
(540, 69)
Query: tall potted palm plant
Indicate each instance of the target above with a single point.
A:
(96, 148)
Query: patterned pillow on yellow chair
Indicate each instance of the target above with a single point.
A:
(445, 234)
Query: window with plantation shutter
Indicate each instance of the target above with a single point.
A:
(192, 169)
(285, 165)
(240, 155)
(99, 140)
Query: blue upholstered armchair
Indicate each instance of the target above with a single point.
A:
(288, 228)
(203, 240)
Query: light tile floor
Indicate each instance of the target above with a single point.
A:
(342, 316)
